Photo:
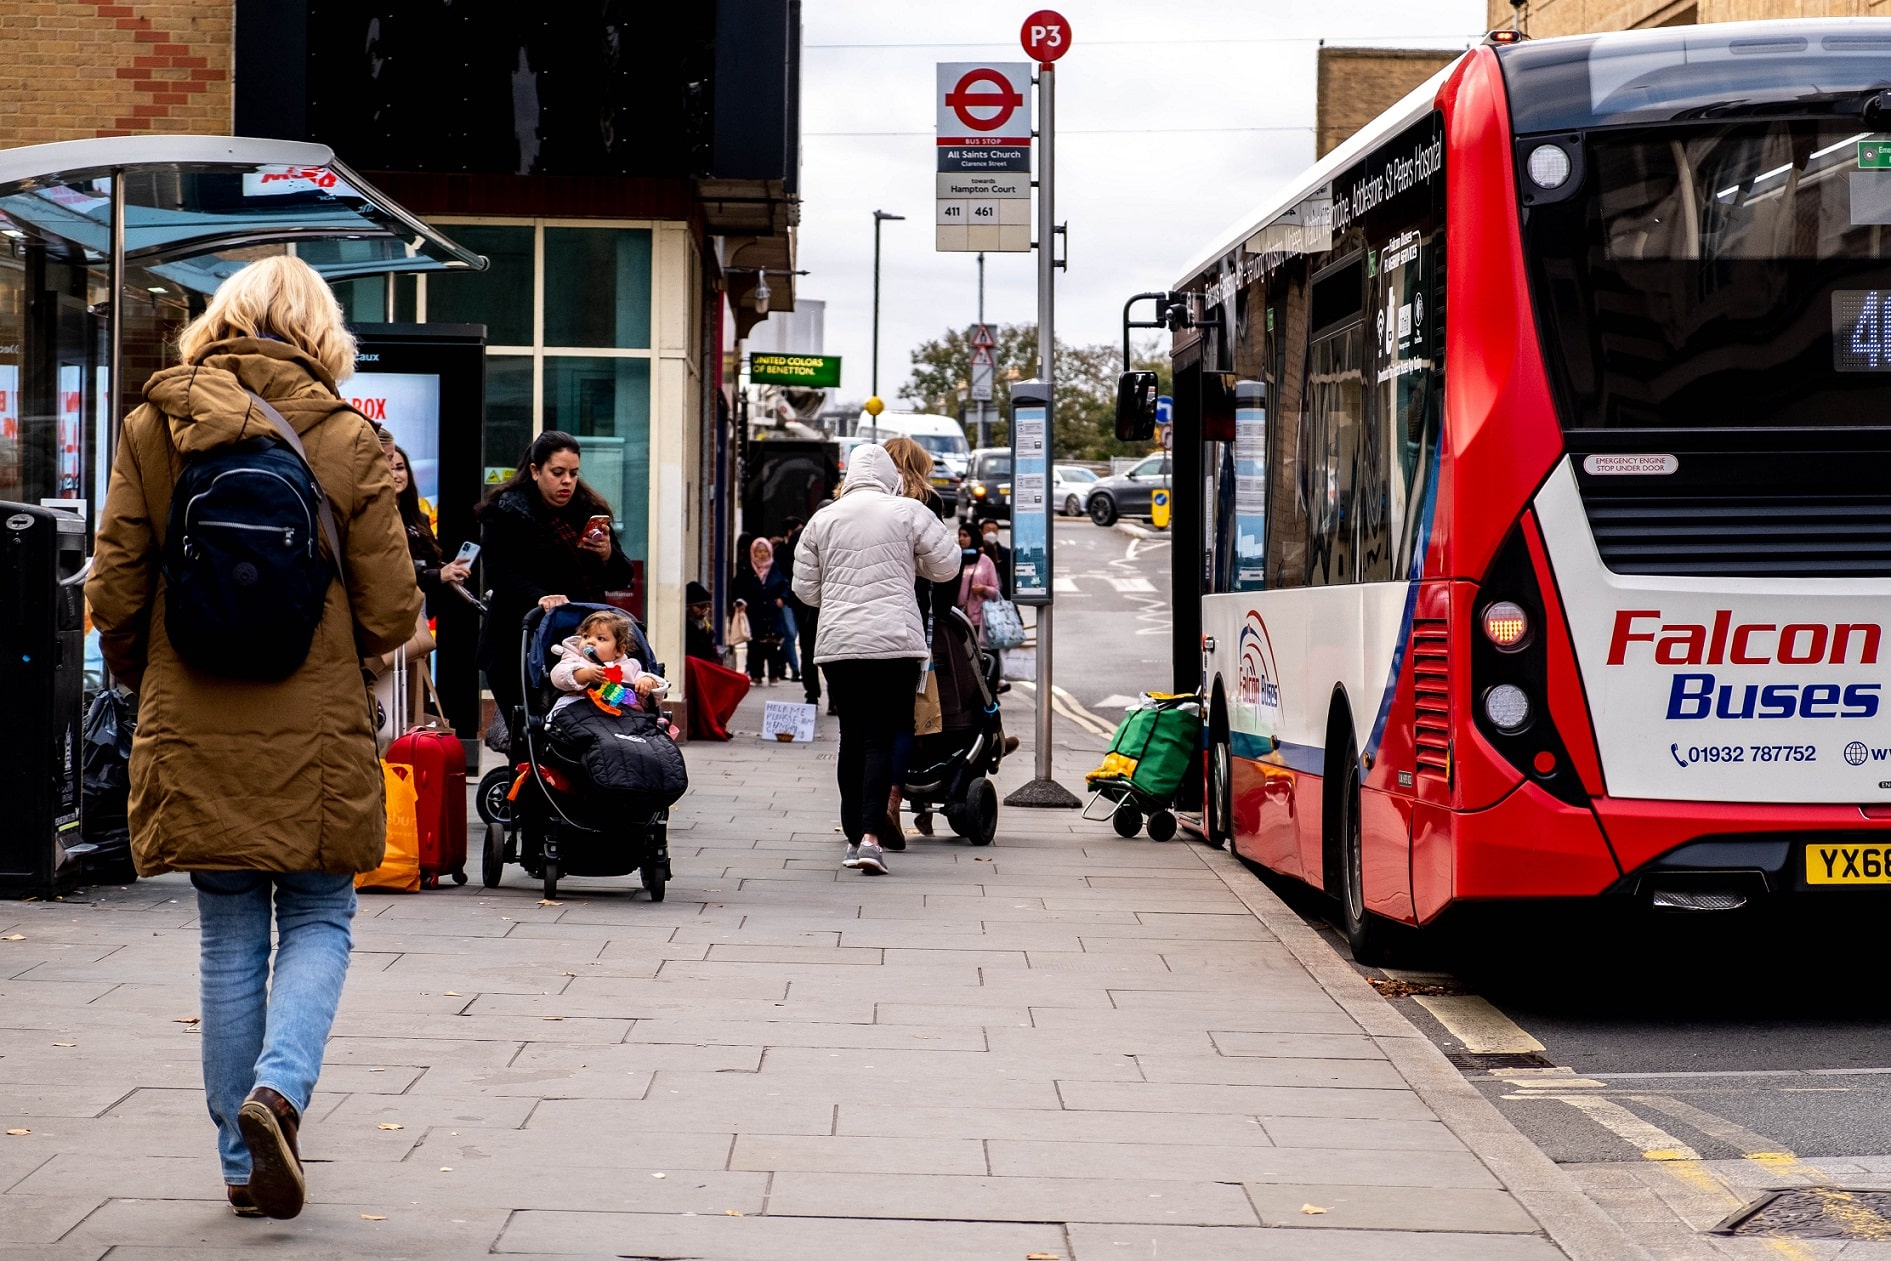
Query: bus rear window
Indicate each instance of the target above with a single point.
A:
(1720, 276)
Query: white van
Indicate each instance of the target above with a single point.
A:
(943, 436)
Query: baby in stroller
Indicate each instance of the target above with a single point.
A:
(597, 662)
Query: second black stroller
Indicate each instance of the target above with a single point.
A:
(550, 820)
(949, 769)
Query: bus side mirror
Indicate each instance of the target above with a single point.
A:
(1136, 406)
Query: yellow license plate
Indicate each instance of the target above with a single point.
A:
(1848, 864)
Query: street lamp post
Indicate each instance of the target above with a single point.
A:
(879, 217)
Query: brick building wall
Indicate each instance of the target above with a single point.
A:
(75, 70)
(1545, 18)
(1356, 85)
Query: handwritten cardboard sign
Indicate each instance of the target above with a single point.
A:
(787, 716)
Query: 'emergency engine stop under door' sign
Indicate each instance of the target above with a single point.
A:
(1629, 465)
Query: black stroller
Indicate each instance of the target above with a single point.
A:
(541, 811)
(949, 768)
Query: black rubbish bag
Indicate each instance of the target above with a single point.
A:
(105, 787)
(627, 756)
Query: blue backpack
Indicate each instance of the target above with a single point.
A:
(245, 577)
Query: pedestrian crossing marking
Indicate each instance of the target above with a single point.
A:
(1133, 585)
(1065, 586)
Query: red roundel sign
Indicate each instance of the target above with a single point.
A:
(983, 99)
(1045, 35)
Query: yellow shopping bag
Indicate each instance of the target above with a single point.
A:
(399, 871)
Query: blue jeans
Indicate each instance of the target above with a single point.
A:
(790, 632)
(259, 1030)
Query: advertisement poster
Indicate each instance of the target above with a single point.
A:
(9, 431)
(71, 430)
(408, 403)
(1030, 515)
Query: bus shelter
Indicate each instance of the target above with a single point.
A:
(108, 246)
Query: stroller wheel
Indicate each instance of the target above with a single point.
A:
(1126, 820)
(492, 863)
(1162, 825)
(551, 879)
(490, 799)
(654, 882)
(981, 812)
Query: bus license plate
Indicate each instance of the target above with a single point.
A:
(1848, 864)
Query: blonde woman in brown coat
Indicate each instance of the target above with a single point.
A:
(264, 791)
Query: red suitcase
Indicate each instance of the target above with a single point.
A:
(439, 762)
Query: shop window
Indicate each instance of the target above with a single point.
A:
(508, 414)
(605, 404)
(597, 287)
(499, 297)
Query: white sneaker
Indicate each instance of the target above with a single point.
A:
(853, 856)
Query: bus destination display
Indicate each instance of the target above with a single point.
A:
(1861, 330)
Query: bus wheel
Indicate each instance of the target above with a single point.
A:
(1366, 933)
(1220, 804)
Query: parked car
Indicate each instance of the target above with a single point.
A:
(987, 492)
(1070, 489)
(1131, 493)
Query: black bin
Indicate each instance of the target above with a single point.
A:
(42, 688)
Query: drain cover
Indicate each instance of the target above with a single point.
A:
(1472, 1062)
(1815, 1213)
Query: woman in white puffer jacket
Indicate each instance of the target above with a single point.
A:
(856, 562)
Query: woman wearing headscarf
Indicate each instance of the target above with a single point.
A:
(762, 588)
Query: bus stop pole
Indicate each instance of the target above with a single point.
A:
(1046, 354)
(1044, 790)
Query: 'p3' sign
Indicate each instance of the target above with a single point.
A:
(1045, 36)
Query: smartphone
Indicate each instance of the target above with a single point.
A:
(597, 527)
(468, 553)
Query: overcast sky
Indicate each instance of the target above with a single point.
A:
(1174, 118)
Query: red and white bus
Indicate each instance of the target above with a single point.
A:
(1536, 445)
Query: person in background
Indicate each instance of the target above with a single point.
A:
(807, 620)
(857, 562)
(790, 614)
(267, 792)
(540, 548)
(978, 581)
(1000, 556)
(763, 589)
(430, 569)
(914, 463)
(699, 629)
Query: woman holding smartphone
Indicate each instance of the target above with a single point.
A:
(430, 568)
(548, 540)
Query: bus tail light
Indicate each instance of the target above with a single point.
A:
(1510, 680)
(1506, 625)
(1508, 707)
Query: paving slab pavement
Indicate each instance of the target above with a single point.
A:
(1065, 1045)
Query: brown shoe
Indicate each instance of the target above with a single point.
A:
(891, 837)
(240, 1202)
(268, 1124)
(922, 823)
